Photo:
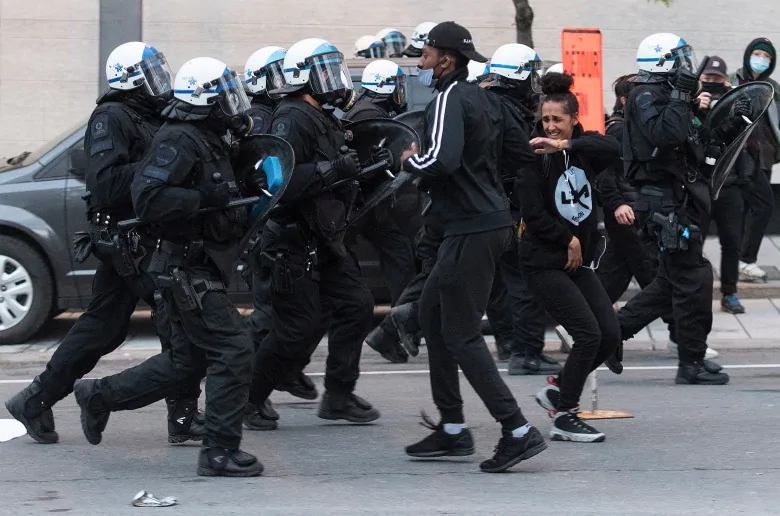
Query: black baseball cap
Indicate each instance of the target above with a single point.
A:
(451, 36)
(715, 66)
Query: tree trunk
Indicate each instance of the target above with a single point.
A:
(524, 20)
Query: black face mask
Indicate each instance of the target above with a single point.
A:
(716, 89)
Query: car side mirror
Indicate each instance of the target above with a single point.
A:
(78, 163)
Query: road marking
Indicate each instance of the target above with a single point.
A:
(501, 370)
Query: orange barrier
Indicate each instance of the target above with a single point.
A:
(581, 58)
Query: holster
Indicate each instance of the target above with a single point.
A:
(287, 268)
(124, 256)
(187, 292)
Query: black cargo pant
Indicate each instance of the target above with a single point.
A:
(451, 307)
(103, 327)
(308, 298)
(684, 283)
(627, 256)
(760, 206)
(213, 341)
(729, 214)
(581, 305)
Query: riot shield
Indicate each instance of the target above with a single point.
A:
(415, 120)
(761, 95)
(393, 135)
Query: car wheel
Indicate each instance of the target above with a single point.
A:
(26, 291)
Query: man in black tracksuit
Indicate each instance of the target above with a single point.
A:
(188, 168)
(118, 135)
(664, 157)
(315, 284)
(472, 138)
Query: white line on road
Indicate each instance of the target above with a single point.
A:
(502, 370)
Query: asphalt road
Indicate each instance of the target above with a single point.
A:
(688, 450)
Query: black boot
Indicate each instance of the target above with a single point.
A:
(387, 345)
(183, 421)
(615, 362)
(30, 408)
(300, 386)
(404, 318)
(93, 423)
(220, 462)
(504, 349)
(698, 374)
(533, 365)
(262, 418)
(349, 407)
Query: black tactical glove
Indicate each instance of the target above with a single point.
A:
(215, 195)
(82, 246)
(686, 81)
(259, 180)
(381, 154)
(742, 107)
(347, 165)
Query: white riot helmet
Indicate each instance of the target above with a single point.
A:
(264, 68)
(513, 64)
(394, 40)
(318, 65)
(370, 47)
(663, 52)
(385, 78)
(556, 68)
(135, 64)
(205, 81)
(476, 70)
(418, 38)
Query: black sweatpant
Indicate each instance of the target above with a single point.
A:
(102, 328)
(729, 214)
(214, 341)
(581, 305)
(760, 206)
(451, 308)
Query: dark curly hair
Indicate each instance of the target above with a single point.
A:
(556, 87)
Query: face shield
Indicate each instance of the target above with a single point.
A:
(231, 96)
(527, 76)
(395, 44)
(156, 74)
(274, 77)
(329, 74)
(399, 95)
(684, 57)
(372, 52)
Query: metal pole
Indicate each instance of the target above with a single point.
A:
(594, 390)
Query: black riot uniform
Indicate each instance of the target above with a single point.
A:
(193, 263)
(315, 284)
(664, 155)
(119, 133)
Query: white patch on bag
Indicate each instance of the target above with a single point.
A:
(574, 195)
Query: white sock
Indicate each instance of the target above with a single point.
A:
(521, 431)
(454, 428)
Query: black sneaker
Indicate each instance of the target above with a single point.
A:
(550, 395)
(699, 374)
(387, 345)
(28, 407)
(349, 407)
(730, 304)
(403, 318)
(440, 443)
(567, 426)
(533, 365)
(300, 386)
(92, 423)
(219, 462)
(511, 450)
(183, 423)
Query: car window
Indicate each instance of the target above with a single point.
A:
(57, 164)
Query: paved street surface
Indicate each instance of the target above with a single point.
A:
(689, 450)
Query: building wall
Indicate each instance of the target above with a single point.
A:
(59, 39)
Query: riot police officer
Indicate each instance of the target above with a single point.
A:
(664, 158)
(188, 169)
(315, 284)
(119, 133)
(394, 40)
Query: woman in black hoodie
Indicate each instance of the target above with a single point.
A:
(561, 235)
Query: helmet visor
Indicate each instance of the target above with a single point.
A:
(399, 94)
(156, 73)
(395, 43)
(328, 73)
(372, 52)
(274, 77)
(231, 96)
(684, 57)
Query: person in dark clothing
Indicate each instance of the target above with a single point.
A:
(560, 239)
(188, 168)
(759, 62)
(119, 133)
(264, 69)
(315, 284)
(664, 156)
(384, 96)
(471, 140)
(512, 75)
